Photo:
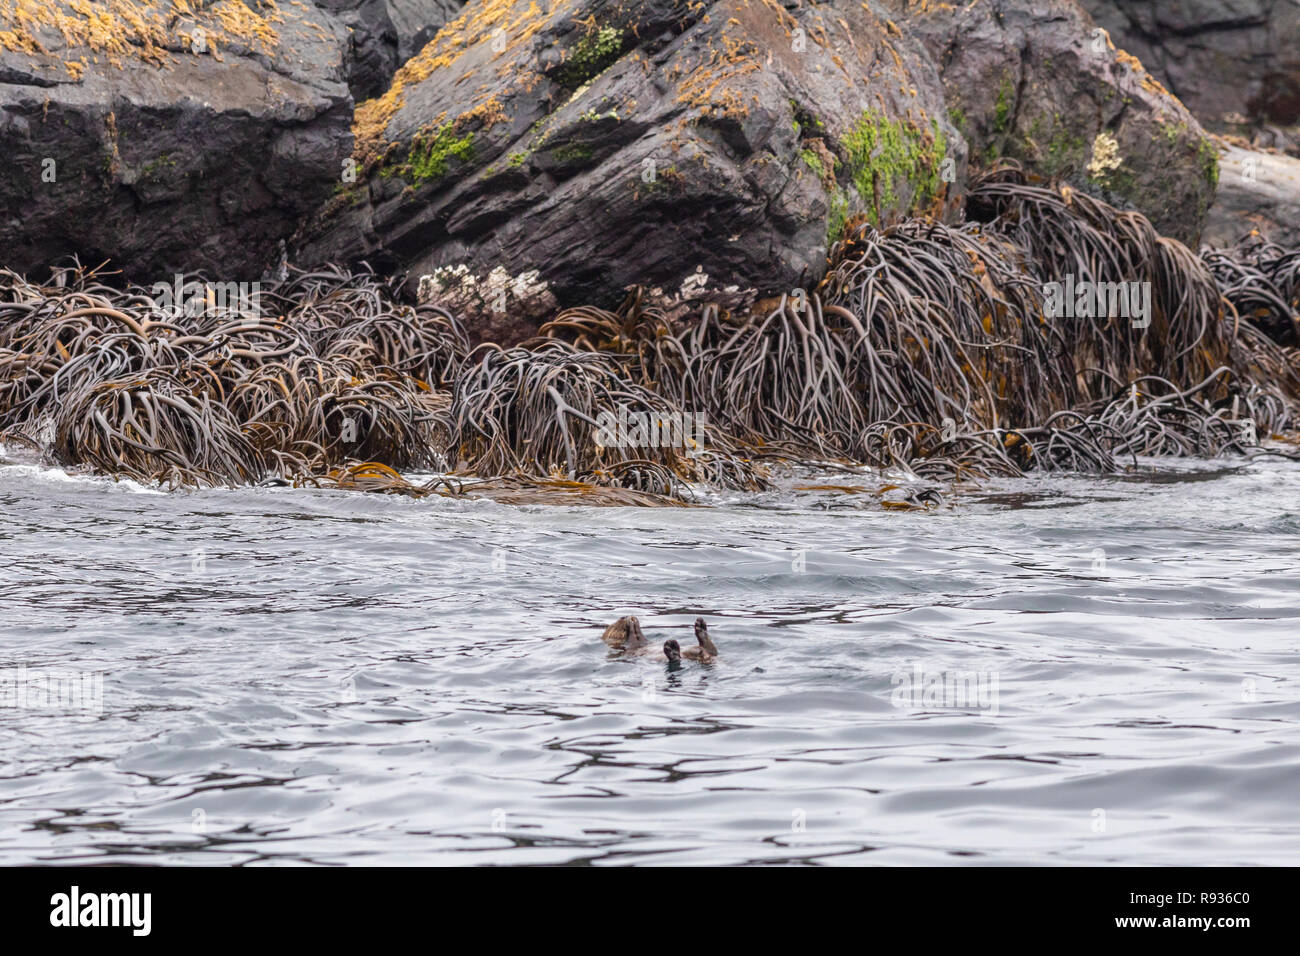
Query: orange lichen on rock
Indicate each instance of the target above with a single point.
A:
(129, 29)
(115, 28)
(705, 87)
(784, 17)
(479, 24)
(239, 22)
(487, 114)
(1149, 82)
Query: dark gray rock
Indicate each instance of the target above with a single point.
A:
(530, 158)
(417, 21)
(535, 155)
(171, 144)
(1036, 81)
(1235, 63)
(385, 34)
(705, 148)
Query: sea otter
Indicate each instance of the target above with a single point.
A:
(705, 653)
(625, 635)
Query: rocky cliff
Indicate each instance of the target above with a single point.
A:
(166, 136)
(1040, 83)
(715, 149)
(531, 156)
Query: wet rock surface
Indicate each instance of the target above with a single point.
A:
(1257, 191)
(164, 142)
(385, 34)
(1235, 63)
(605, 144)
(1039, 83)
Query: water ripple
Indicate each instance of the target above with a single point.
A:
(1053, 670)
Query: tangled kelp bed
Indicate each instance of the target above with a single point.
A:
(1262, 282)
(207, 394)
(927, 348)
(319, 380)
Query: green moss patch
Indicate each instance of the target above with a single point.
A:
(1002, 108)
(1209, 157)
(590, 56)
(838, 216)
(814, 162)
(886, 156)
(431, 153)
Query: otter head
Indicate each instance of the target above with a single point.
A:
(702, 635)
(672, 651)
(625, 632)
(634, 636)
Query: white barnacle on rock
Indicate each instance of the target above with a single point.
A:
(694, 284)
(694, 291)
(465, 293)
(444, 279)
(529, 285)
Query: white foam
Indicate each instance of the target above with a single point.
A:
(56, 475)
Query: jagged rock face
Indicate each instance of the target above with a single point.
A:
(385, 34)
(540, 155)
(1235, 63)
(166, 143)
(1259, 191)
(708, 149)
(418, 21)
(1036, 81)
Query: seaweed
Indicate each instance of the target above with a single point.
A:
(927, 349)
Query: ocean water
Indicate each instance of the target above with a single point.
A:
(1054, 670)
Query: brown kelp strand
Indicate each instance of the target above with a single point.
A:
(934, 349)
(156, 426)
(920, 324)
(1074, 238)
(1151, 417)
(953, 324)
(374, 477)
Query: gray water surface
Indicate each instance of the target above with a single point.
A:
(296, 676)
